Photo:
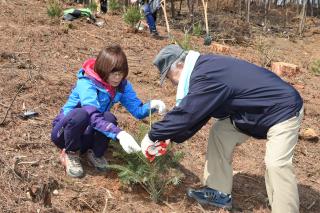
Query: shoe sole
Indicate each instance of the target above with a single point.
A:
(75, 176)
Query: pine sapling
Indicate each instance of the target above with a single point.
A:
(114, 6)
(152, 177)
(132, 16)
(197, 29)
(93, 6)
(315, 67)
(54, 9)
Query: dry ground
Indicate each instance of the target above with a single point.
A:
(39, 59)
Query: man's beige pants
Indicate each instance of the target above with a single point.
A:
(279, 176)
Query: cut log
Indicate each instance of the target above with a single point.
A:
(284, 69)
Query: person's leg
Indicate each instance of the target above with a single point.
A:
(149, 18)
(223, 138)
(155, 16)
(67, 135)
(67, 130)
(100, 141)
(87, 139)
(99, 145)
(98, 3)
(57, 129)
(280, 179)
(104, 6)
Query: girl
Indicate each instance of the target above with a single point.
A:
(85, 123)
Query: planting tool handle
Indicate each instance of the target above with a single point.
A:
(163, 6)
(205, 8)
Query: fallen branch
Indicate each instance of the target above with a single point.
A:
(108, 195)
(95, 36)
(87, 204)
(29, 162)
(14, 98)
(311, 205)
(169, 205)
(200, 208)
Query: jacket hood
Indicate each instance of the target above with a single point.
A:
(88, 67)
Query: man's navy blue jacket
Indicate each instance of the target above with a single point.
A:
(254, 98)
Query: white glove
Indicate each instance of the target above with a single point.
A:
(145, 144)
(127, 142)
(133, 1)
(159, 105)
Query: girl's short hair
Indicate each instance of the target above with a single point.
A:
(111, 59)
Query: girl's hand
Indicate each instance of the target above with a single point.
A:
(128, 143)
(159, 105)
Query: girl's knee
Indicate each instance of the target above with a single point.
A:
(111, 118)
(80, 116)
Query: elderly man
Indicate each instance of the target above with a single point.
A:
(247, 100)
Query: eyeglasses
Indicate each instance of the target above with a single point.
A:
(118, 74)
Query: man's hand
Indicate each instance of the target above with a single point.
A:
(133, 1)
(159, 105)
(128, 143)
(152, 149)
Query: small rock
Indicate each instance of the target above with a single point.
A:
(29, 196)
(310, 135)
(55, 192)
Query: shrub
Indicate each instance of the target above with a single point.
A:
(197, 29)
(185, 43)
(266, 52)
(153, 177)
(315, 67)
(54, 9)
(132, 16)
(93, 6)
(114, 6)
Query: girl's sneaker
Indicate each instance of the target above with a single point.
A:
(71, 162)
(99, 163)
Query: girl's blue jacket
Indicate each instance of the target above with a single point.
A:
(89, 94)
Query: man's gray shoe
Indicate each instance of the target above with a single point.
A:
(212, 197)
(100, 163)
(71, 162)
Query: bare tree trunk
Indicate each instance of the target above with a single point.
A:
(240, 5)
(248, 10)
(180, 7)
(172, 9)
(302, 17)
(191, 10)
(266, 11)
(286, 16)
(298, 7)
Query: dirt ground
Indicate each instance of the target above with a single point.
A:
(38, 62)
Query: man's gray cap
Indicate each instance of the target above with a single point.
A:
(165, 58)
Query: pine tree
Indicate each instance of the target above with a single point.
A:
(154, 176)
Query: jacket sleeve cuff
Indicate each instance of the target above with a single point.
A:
(151, 137)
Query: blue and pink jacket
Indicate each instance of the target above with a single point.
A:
(97, 97)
